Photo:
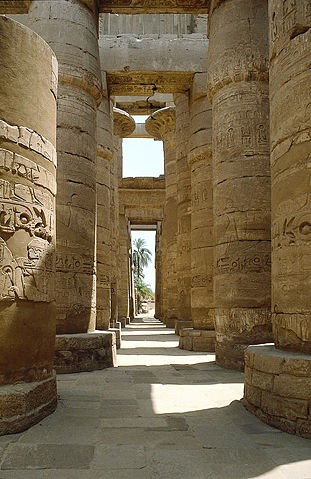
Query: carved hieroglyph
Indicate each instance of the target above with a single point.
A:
(70, 28)
(27, 206)
(104, 159)
(200, 162)
(183, 260)
(290, 103)
(238, 89)
(161, 125)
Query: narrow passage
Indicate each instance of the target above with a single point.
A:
(164, 413)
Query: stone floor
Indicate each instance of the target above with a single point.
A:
(164, 413)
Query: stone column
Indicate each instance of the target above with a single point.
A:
(70, 28)
(114, 219)
(239, 92)
(202, 336)
(27, 227)
(103, 228)
(161, 125)
(183, 260)
(159, 285)
(124, 125)
(278, 381)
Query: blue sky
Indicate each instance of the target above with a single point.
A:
(143, 157)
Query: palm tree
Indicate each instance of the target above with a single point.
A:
(141, 257)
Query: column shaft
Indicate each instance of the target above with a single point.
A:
(183, 212)
(238, 88)
(103, 227)
(70, 28)
(290, 100)
(27, 227)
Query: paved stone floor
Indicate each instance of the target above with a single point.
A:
(164, 413)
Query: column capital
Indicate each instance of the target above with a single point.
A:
(161, 122)
(123, 123)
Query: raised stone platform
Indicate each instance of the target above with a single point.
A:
(278, 388)
(197, 340)
(23, 405)
(76, 353)
(180, 324)
(117, 331)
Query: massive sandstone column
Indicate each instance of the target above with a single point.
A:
(238, 89)
(124, 125)
(161, 125)
(27, 227)
(202, 336)
(70, 28)
(183, 259)
(104, 252)
(278, 381)
(159, 283)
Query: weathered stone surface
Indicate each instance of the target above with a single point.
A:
(290, 76)
(238, 89)
(162, 125)
(70, 29)
(104, 157)
(27, 224)
(148, 6)
(23, 405)
(183, 258)
(202, 241)
(280, 397)
(197, 340)
(84, 352)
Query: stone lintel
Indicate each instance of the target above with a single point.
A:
(25, 404)
(197, 340)
(76, 353)
(277, 388)
(146, 83)
(123, 123)
(161, 122)
(14, 6)
(133, 7)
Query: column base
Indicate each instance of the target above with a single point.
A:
(117, 332)
(124, 321)
(197, 340)
(180, 324)
(25, 404)
(75, 353)
(170, 323)
(278, 388)
(230, 355)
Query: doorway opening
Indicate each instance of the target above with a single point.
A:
(143, 241)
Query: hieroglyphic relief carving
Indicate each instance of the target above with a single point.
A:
(25, 205)
(28, 139)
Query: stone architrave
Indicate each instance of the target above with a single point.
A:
(202, 336)
(70, 28)
(104, 159)
(239, 92)
(27, 227)
(278, 379)
(161, 125)
(124, 125)
(183, 258)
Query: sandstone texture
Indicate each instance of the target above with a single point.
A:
(27, 225)
(278, 388)
(84, 352)
(239, 91)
